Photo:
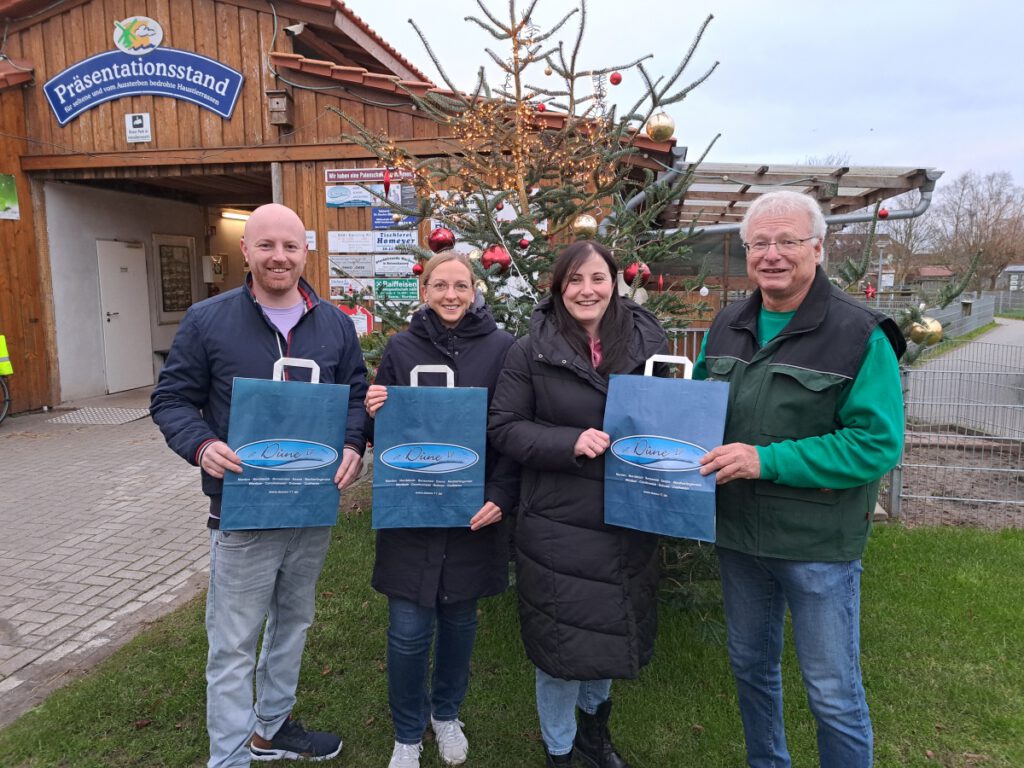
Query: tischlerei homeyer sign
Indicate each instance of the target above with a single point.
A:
(140, 66)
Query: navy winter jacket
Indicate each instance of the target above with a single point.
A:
(228, 336)
(425, 565)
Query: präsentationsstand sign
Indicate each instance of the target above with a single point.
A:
(140, 67)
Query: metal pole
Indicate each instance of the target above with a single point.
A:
(878, 293)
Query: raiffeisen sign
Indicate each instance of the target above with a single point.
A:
(140, 66)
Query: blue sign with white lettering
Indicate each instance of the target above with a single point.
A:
(160, 72)
(428, 457)
(384, 218)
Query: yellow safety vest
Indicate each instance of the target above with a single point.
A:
(6, 369)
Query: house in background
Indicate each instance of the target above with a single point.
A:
(1011, 278)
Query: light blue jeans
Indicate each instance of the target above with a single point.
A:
(257, 575)
(557, 700)
(410, 633)
(824, 601)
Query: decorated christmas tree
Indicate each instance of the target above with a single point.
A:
(539, 160)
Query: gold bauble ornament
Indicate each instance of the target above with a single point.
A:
(396, 217)
(548, 71)
(475, 254)
(481, 287)
(585, 225)
(934, 330)
(660, 127)
(918, 333)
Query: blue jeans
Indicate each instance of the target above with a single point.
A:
(824, 600)
(257, 575)
(557, 700)
(410, 635)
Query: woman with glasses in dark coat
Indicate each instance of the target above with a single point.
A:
(433, 577)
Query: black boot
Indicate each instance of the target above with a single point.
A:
(594, 746)
(559, 761)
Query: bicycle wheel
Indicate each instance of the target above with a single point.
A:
(5, 398)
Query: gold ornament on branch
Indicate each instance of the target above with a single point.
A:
(934, 330)
(475, 254)
(481, 287)
(660, 127)
(585, 225)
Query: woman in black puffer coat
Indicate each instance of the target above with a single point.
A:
(434, 576)
(586, 590)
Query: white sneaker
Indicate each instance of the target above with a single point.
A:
(451, 741)
(406, 756)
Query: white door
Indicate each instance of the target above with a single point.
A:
(124, 315)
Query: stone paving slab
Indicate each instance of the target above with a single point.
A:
(104, 530)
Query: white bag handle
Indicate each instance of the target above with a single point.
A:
(414, 377)
(680, 359)
(296, 362)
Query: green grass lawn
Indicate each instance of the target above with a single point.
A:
(942, 635)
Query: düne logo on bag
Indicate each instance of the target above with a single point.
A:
(286, 455)
(662, 454)
(431, 458)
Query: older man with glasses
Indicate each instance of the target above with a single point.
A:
(815, 419)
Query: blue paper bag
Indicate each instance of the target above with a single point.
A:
(289, 436)
(659, 429)
(428, 455)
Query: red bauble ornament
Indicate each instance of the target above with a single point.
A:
(883, 213)
(440, 239)
(496, 254)
(524, 243)
(499, 205)
(417, 269)
(387, 181)
(661, 282)
(541, 107)
(630, 273)
(615, 78)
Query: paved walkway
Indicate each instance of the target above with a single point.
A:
(103, 530)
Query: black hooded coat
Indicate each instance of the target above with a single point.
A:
(427, 565)
(587, 591)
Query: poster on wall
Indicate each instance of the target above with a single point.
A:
(174, 257)
(349, 241)
(397, 264)
(384, 218)
(354, 196)
(350, 264)
(9, 198)
(390, 240)
(343, 288)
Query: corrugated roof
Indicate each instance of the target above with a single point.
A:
(15, 72)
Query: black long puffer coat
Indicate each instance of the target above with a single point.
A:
(427, 565)
(587, 591)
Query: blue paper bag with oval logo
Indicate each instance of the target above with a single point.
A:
(289, 436)
(428, 454)
(659, 429)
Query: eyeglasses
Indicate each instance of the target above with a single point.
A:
(782, 247)
(442, 287)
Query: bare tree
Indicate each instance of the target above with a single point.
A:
(906, 238)
(983, 213)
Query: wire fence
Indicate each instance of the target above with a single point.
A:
(963, 443)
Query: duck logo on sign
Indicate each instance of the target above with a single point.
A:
(140, 66)
(286, 455)
(137, 36)
(661, 454)
(429, 458)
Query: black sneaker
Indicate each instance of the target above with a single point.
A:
(293, 742)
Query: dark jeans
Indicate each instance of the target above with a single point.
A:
(410, 634)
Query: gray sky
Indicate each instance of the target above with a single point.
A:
(920, 83)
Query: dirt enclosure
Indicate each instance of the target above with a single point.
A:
(962, 481)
